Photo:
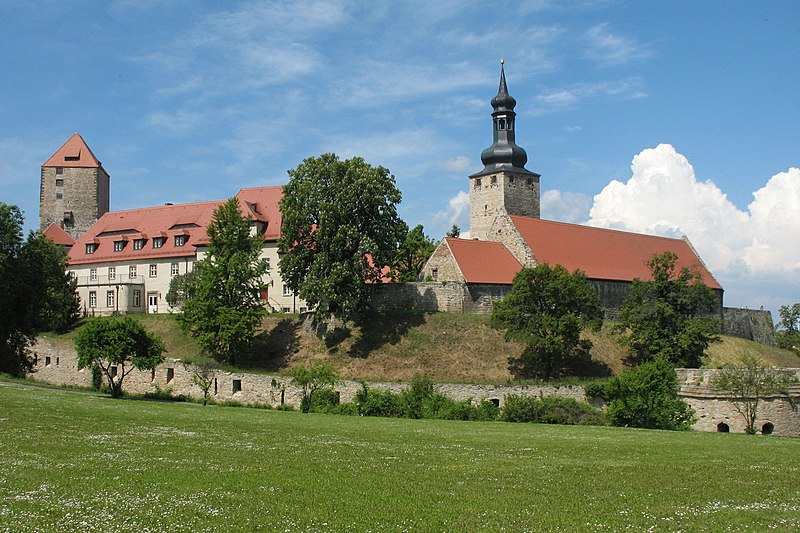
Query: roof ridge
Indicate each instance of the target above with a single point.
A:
(627, 232)
(136, 209)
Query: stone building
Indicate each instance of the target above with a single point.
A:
(74, 190)
(508, 234)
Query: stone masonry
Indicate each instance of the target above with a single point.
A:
(74, 197)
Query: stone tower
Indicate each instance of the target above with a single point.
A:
(504, 186)
(74, 191)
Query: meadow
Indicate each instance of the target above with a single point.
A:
(73, 461)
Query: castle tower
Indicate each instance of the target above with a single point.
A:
(504, 185)
(74, 191)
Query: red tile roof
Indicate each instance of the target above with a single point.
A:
(56, 233)
(261, 203)
(146, 223)
(483, 261)
(74, 153)
(604, 253)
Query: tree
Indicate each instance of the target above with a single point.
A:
(117, 346)
(546, 309)
(178, 287)
(203, 375)
(747, 383)
(789, 327)
(340, 229)
(413, 253)
(311, 379)
(222, 306)
(647, 397)
(37, 293)
(454, 232)
(669, 315)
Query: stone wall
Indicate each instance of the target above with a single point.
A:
(81, 191)
(752, 324)
(434, 296)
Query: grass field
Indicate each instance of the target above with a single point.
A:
(79, 462)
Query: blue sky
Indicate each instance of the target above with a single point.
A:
(192, 100)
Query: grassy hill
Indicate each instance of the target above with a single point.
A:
(449, 347)
(78, 462)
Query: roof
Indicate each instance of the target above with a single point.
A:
(261, 203)
(146, 223)
(603, 253)
(56, 233)
(74, 153)
(484, 261)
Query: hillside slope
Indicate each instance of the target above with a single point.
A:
(448, 347)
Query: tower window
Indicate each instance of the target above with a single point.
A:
(494, 180)
(530, 182)
(59, 182)
(59, 196)
(477, 183)
(59, 171)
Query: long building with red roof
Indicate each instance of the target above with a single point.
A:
(507, 233)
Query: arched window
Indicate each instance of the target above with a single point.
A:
(767, 428)
(722, 427)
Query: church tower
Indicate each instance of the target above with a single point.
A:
(74, 190)
(504, 186)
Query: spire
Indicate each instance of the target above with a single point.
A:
(503, 154)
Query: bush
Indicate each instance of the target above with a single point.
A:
(374, 402)
(550, 410)
(414, 399)
(647, 397)
(595, 389)
(323, 400)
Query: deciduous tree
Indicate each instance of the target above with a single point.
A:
(669, 315)
(222, 306)
(203, 374)
(413, 253)
(340, 229)
(312, 378)
(748, 382)
(789, 327)
(454, 232)
(546, 309)
(117, 346)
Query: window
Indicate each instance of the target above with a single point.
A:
(153, 271)
(69, 221)
(180, 240)
(237, 385)
(90, 248)
(59, 196)
(158, 242)
(435, 274)
(138, 244)
(170, 374)
(494, 180)
(287, 291)
(286, 310)
(92, 274)
(92, 299)
(112, 273)
(46, 361)
(59, 182)
(119, 245)
(173, 269)
(265, 260)
(110, 299)
(303, 310)
(59, 171)
(132, 272)
(73, 274)
(137, 298)
(477, 183)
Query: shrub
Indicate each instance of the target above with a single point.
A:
(647, 397)
(323, 400)
(520, 409)
(550, 410)
(374, 402)
(419, 392)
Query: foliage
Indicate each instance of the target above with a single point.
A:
(203, 374)
(312, 378)
(412, 254)
(647, 397)
(550, 410)
(789, 328)
(747, 383)
(117, 346)
(178, 287)
(454, 232)
(546, 309)
(669, 315)
(418, 393)
(223, 305)
(340, 229)
(37, 293)
(376, 402)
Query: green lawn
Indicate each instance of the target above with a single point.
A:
(78, 462)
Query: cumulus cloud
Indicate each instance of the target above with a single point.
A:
(569, 207)
(664, 197)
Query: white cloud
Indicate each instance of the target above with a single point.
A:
(566, 98)
(569, 207)
(460, 164)
(664, 197)
(457, 212)
(608, 48)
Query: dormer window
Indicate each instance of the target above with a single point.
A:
(119, 245)
(158, 242)
(138, 244)
(91, 248)
(180, 240)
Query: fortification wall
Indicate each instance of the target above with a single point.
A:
(751, 324)
(56, 363)
(447, 296)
